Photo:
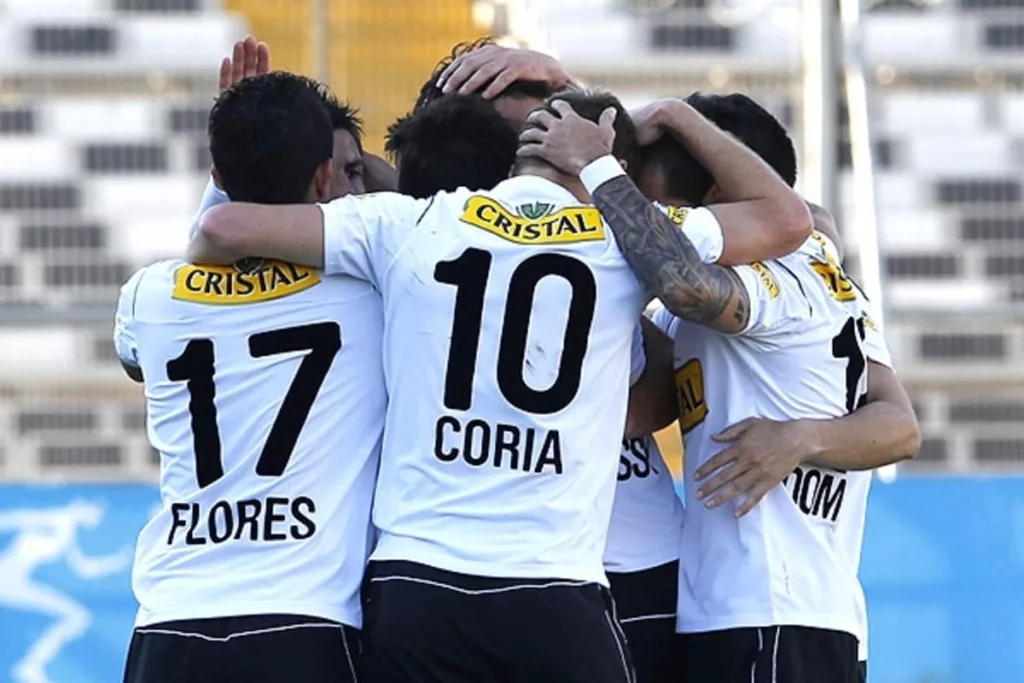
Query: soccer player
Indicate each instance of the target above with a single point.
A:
(761, 454)
(642, 549)
(507, 376)
(265, 400)
(775, 593)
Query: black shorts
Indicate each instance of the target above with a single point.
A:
(645, 605)
(862, 672)
(425, 625)
(257, 649)
(772, 654)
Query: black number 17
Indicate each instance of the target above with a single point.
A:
(196, 367)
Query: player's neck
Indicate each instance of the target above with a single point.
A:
(531, 167)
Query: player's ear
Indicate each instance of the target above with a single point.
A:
(712, 196)
(216, 178)
(624, 164)
(323, 179)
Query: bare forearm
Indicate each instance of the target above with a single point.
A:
(667, 263)
(760, 216)
(204, 251)
(652, 400)
(739, 173)
(876, 435)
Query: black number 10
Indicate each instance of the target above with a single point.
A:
(196, 367)
(469, 273)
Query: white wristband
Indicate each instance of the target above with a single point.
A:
(600, 171)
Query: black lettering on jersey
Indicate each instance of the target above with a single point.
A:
(218, 533)
(249, 512)
(243, 283)
(817, 492)
(534, 223)
(273, 519)
(193, 526)
(693, 409)
(302, 510)
(477, 443)
(635, 460)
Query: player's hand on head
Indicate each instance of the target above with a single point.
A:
(565, 139)
(248, 58)
(491, 69)
(759, 456)
(649, 120)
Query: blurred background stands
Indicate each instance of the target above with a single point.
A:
(103, 157)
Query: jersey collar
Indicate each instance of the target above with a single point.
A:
(532, 186)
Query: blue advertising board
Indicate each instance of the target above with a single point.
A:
(943, 567)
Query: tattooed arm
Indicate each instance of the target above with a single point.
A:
(660, 253)
(666, 261)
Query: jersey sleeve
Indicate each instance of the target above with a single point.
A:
(124, 321)
(778, 305)
(212, 196)
(701, 228)
(875, 347)
(363, 234)
(638, 362)
(662, 318)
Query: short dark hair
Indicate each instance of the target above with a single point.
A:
(754, 126)
(685, 177)
(268, 135)
(457, 141)
(343, 115)
(590, 104)
(429, 92)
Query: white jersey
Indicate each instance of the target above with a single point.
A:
(509, 317)
(792, 560)
(265, 399)
(647, 518)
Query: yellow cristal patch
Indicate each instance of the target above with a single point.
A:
(677, 214)
(767, 279)
(235, 285)
(573, 224)
(835, 280)
(690, 391)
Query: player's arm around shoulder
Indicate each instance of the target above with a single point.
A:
(233, 231)
(352, 235)
(761, 220)
(659, 252)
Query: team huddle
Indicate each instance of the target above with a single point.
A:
(404, 413)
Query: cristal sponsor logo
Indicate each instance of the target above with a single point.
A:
(677, 214)
(690, 391)
(831, 273)
(245, 282)
(536, 223)
(767, 279)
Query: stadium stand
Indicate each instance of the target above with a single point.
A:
(103, 107)
(102, 159)
(947, 119)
